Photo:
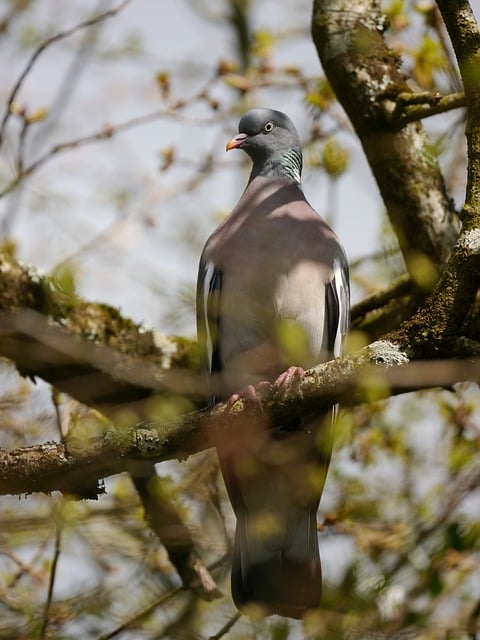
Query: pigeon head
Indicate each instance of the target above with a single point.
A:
(270, 139)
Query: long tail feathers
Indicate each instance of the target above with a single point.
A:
(286, 581)
(275, 489)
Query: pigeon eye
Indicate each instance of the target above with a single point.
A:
(268, 126)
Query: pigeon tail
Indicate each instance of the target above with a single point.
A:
(275, 489)
(287, 580)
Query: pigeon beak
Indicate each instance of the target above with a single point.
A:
(236, 142)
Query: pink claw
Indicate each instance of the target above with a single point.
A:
(253, 394)
(286, 378)
(248, 394)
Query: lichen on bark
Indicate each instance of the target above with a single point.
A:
(365, 75)
(63, 338)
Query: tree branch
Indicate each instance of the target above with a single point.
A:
(105, 133)
(42, 47)
(409, 109)
(373, 374)
(88, 350)
(436, 325)
(376, 302)
(363, 71)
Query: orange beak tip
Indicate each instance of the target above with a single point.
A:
(236, 142)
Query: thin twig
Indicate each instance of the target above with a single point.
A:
(53, 572)
(226, 627)
(21, 144)
(400, 287)
(118, 225)
(154, 605)
(452, 68)
(473, 625)
(107, 132)
(465, 483)
(382, 254)
(43, 46)
(141, 614)
(55, 395)
(406, 112)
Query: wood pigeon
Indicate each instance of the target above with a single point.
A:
(273, 291)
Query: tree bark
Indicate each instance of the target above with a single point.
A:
(373, 374)
(365, 76)
(437, 324)
(89, 350)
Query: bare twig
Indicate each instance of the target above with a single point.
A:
(43, 46)
(107, 132)
(459, 489)
(473, 623)
(226, 627)
(400, 287)
(58, 415)
(410, 110)
(452, 70)
(146, 611)
(382, 254)
(21, 145)
(53, 572)
(141, 614)
(464, 33)
(107, 234)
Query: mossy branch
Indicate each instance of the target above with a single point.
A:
(371, 375)
(434, 328)
(411, 107)
(86, 349)
(363, 72)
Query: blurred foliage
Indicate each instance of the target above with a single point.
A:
(399, 522)
(335, 158)
(399, 539)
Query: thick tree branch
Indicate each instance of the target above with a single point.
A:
(85, 349)
(108, 362)
(436, 325)
(363, 71)
(373, 374)
(95, 373)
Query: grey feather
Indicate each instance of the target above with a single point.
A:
(271, 272)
